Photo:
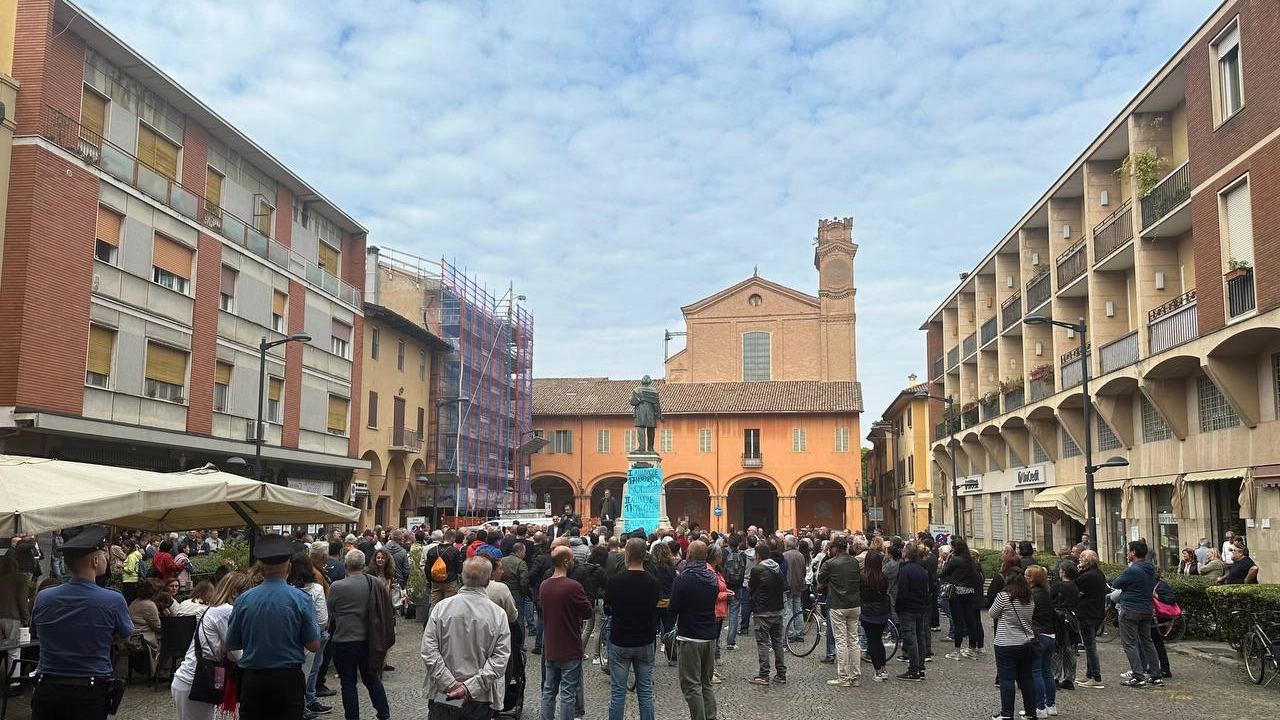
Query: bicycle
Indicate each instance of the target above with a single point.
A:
(1170, 627)
(805, 628)
(890, 639)
(1260, 649)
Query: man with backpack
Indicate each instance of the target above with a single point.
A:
(734, 567)
(442, 564)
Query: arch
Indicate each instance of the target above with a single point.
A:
(752, 500)
(971, 436)
(1122, 385)
(688, 498)
(777, 487)
(408, 507)
(1042, 412)
(1246, 343)
(380, 511)
(820, 502)
(825, 475)
(615, 484)
(419, 468)
(552, 488)
(1011, 422)
(1178, 366)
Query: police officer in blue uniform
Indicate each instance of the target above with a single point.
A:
(272, 624)
(76, 622)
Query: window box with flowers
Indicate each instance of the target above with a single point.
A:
(1237, 269)
(1010, 385)
(1042, 372)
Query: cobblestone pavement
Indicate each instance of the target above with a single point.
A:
(953, 690)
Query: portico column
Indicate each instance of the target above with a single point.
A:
(786, 511)
(853, 513)
(719, 523)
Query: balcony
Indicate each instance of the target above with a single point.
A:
(1041, 389)
(990, 409)
(1073, 367)
(953, 358)
(1072, 264)
(1015, 399)
(1165, 210)
(1113, 233)
(1120, 353)
(1240, 298)
(753, 461)
(989, 331)
(1038, 289)
(95, 150)
(970, 346)
(405, 440)
(938, 367)
(1173, 323)
(1011, 312)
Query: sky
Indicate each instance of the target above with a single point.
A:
(614, 161)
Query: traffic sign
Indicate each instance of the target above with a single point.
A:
(718, 511)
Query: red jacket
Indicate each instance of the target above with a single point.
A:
(164, 564)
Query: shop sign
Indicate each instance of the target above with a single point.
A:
(1165, 517)
(969, 485)
(1031, 476)
(319, 487)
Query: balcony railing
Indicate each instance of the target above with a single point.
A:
(1038, 289)
(1240, 299)
(1072, 263)
(1073, 372)
(1173, 323)
(1074, 353)
(970, 345)
(753, 461)
(1113, 233)
(990, 410)
(1010, 311)
(96, 150)
(989, 331)
(405, 440)
(1168, 194)
(953, 358)
(1041, 389)
(1014, 400)
(1120, 353)
(938, 367)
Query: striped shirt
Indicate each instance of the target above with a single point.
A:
(1013, 621)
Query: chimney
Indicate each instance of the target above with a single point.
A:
(912, 380)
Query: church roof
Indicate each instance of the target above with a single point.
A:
(756, 281)
(602, 396)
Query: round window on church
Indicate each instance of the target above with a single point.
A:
(755, 300)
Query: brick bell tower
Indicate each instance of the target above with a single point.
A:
(833, 257)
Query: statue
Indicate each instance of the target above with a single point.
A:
(648, 413)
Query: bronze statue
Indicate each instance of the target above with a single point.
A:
(648, 413)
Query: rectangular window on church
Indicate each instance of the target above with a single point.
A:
(755, 357)
(704, 440)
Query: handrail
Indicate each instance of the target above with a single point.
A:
(1177, 303)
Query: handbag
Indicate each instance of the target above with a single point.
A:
(1165, 610)
(1036, 648)
(210, 679)
(946, 590)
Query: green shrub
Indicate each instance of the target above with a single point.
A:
(1197, 608)
(234, 553)
(1247, 599)
(417, 579)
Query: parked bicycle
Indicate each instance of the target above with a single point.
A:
(806, 629)
(1170, 626)
(1262, 647)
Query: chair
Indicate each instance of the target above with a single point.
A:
(175, 638)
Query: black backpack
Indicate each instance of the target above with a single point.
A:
(735, 568)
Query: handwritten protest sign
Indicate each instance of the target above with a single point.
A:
(640, 501)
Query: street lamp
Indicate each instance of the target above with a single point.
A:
(952, 421)
(1091, 519)
(263, 347)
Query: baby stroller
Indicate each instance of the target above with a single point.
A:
(513, 698)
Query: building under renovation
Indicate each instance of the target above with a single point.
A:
(480, 388)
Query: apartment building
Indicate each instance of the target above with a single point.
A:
(759, 409)
(901, 495)
(1162, 240)
(149, 248)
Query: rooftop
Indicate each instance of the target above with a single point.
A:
(602, 396)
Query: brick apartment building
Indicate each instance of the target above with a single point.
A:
(761, 410)
(148, 247)
(1164, 237)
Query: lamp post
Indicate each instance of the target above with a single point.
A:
(259, 438)
(952, 421)
(1091, 519)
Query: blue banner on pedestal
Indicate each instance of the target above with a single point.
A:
(641, 499)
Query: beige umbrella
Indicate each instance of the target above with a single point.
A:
(1248, 495)
(1126, 499)
(1180, 498)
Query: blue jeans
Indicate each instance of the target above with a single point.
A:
(621, 661)
(57, 568)
(831, 636)
(1016, 664)
(537, 635)
(350, 658)
(914, 628)
(526, 614)
(735, 616)
(793, 604)
(560, 679)
(1042, 674)
(1089, 636)
(744, 600)
(313, 672)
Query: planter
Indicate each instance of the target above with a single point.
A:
(1236, 274)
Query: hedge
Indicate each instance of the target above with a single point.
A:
(990, 561)
(1197, 607)
(1248, 599)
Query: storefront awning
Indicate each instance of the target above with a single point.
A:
(1108, 485)
(1064, 501)
(1211, 475)
(1155, 480)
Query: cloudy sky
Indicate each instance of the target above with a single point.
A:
(617, 160)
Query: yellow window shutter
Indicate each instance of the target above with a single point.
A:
(329, 259)
(212, 188)
(157, 153)
(166, 364)
(101, 342)
(278, 302)
(275, 388)
(262, 215)
(109, 226)
(93, 116)
(222, 373)
(337, 414)
(171, 255)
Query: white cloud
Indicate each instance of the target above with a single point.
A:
(584, 150)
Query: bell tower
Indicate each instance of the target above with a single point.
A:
(833, 257)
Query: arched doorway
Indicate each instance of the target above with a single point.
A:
(380, 511)
(614, 485)
(753, 501)
(820, 503)
(549, 489)
(688, 500)
(408, 507)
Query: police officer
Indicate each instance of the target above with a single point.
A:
(76, 622)
(272, 623)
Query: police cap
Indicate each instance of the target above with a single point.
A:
(89, 540)
(273, 550)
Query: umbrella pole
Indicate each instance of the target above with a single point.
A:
(248, 521)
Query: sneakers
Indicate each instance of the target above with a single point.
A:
(998, 716)
(969, 654)
(1040, 713)
(910, 677)
(716, 679)
(319, 708)
(757, 680)
(828, 660)
(595, 660)
(780, 679)
(881, 676)
(903, 658)
(840, 682)
(1153, 680)
(1051, 710)
(954, 655)
(928, 658)
(731, 647)
(1090, 683)
(936, 628)
(322, 691)
(1127, 674)
(1134, 682)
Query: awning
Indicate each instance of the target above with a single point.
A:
(1267, 475)
(1155, 480)
(1061, 502)
(1211, 475)
(1108, 485)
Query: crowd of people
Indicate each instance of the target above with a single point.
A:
(685, 596)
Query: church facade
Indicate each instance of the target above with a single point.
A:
(761, 409)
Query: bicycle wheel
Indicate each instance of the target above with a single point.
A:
(1171, 629)
(1109, 629)
(602, 650)
(802, 634)
(1256, 656)
(891, 640)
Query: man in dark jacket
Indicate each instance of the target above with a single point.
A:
(693, 604)
(929, 559)
(538, 569)
(765, 584)
(1132, 595)
(913, 610)
(838, 578)
(1090, 610)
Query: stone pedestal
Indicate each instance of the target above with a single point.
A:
(636, 460)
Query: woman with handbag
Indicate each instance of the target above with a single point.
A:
(198, 691)
(1165, 604)
(1015, 644)
(957, 581)
(1044, 621)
